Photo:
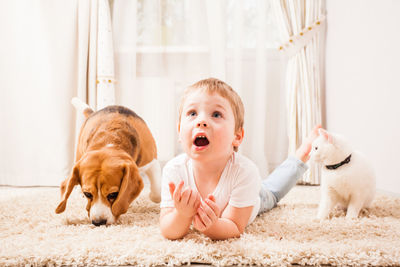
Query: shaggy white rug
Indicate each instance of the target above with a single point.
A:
(31, 233)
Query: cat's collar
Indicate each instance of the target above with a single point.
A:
(335, 166)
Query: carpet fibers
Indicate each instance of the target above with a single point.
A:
(32, 234)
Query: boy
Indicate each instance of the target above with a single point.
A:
(210, 185)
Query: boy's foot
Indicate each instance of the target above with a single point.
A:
(304, 150)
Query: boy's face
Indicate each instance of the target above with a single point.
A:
(207, 127)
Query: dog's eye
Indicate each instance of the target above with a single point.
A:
(88, 195)
(112, 196)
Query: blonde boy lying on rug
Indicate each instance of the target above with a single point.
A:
(210, 185)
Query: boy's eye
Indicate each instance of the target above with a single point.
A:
(217, 114)
(192, 113)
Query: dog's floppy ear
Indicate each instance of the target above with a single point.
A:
(131, 186)
(66, 188)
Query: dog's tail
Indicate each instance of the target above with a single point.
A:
(81, 106)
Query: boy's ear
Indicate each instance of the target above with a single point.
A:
(178, 129)
(238, 137)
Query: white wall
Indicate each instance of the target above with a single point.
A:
(363, 81)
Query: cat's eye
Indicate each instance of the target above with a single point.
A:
(88, 195)
(112, 196)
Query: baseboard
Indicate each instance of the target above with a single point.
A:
(393, 194)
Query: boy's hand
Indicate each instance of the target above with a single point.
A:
(304, 150)
(207, 214)
(186, 202)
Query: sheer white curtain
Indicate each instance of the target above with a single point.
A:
(301, 26)
(96, 80)
(54, 51)
(95, 56)
(50, 52)
(38, 75)
(163, 46)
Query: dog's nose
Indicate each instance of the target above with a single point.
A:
(99, 222)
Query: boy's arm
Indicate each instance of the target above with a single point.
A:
(175, 221)
(173, 224)
(231, 224)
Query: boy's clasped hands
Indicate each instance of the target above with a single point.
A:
(188, 203)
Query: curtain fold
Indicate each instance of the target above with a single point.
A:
(96, 54)
(301, 23)
(105, 57)
(95, 83)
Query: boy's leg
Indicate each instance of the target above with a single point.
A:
(280, 181)
(285, 176)
(267, 199)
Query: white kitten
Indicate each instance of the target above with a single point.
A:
(347, 178)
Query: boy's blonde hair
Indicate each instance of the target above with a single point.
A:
(212, 85)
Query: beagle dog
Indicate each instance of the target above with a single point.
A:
(114, 147)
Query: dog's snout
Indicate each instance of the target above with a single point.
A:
(99, 222)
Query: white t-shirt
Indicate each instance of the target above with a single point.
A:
(238, 186)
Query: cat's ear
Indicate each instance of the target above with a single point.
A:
(326, 135)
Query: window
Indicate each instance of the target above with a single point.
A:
(182, 25)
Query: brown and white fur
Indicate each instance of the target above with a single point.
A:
(351, 185)
(114, 147)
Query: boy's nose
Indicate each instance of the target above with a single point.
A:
(201, 124)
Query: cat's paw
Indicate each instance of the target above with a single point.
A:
(322, 216)
(351, 216)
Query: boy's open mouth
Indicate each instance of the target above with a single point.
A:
(201, 141)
